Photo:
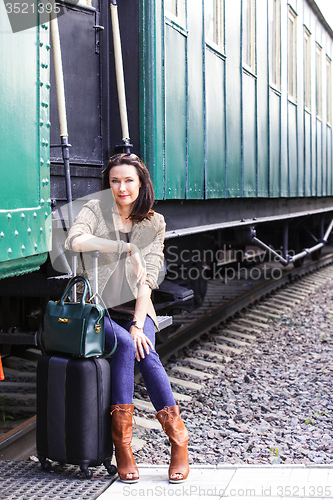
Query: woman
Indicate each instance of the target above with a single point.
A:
(129, 235)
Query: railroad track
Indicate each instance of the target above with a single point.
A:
(234, 313)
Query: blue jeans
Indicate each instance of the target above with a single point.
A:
(122, 366)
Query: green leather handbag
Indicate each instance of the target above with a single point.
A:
(75, 328)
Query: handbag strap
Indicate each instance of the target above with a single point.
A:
(108, 315)
(72, 282)
(105, 309)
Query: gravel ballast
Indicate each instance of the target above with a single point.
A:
(270, 404)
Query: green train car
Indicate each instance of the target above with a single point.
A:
(25, 206)
(237, 104)
(229, 104)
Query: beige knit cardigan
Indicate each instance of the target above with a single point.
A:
(147, 235)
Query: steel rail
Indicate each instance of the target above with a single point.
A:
(20, 442)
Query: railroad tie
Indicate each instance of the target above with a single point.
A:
(215, 355)
(223, 347)
(185, 383)
(240, 334)
(233, 341)
(199, 363)
(196, 374)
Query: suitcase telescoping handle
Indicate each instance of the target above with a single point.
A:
(95, 256)
(97, 297)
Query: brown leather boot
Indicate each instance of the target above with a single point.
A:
(122, 433)
(175, 429)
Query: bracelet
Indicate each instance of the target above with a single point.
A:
(129, 249)
(121, 246)
(148, 284)
(138, 324)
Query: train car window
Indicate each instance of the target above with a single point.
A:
(319, 81)
(176, 10)
(249, 33)
(329, 89)
(214, 23)
(307, 70)
(292, 55)
(275, 42)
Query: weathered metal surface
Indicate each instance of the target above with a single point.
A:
(215, 164)
(175, 113)
(196, 143)
(25, 213)
(263, 109)
(274, 144)
(81, 66)
(252, 139)
(249, 135)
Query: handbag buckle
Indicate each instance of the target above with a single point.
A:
(62, 320)
(97, 328)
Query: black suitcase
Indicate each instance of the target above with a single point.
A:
(73, 412)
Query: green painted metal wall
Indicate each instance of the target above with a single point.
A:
(25, 206)
(212, 128)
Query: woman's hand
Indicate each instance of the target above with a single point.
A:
(138, 264)
(142, 343)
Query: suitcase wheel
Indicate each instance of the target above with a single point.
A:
(86, 471)
(44, 464)
(112, 470)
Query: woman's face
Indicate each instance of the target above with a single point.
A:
(125, 184)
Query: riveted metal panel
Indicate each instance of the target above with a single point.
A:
(215, 125)
(292, 149)
(195, 173)
(249, 136)
(25, 213)
(175, 113)
(274, 143)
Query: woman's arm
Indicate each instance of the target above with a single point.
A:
(155, 258)
(153, 262)
(142, 343)
(88, 242)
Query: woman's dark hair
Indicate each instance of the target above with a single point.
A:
(142, 206)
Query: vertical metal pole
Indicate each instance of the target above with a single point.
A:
(74, 267)
(120, 75)
(95, 273)
(60, 90)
